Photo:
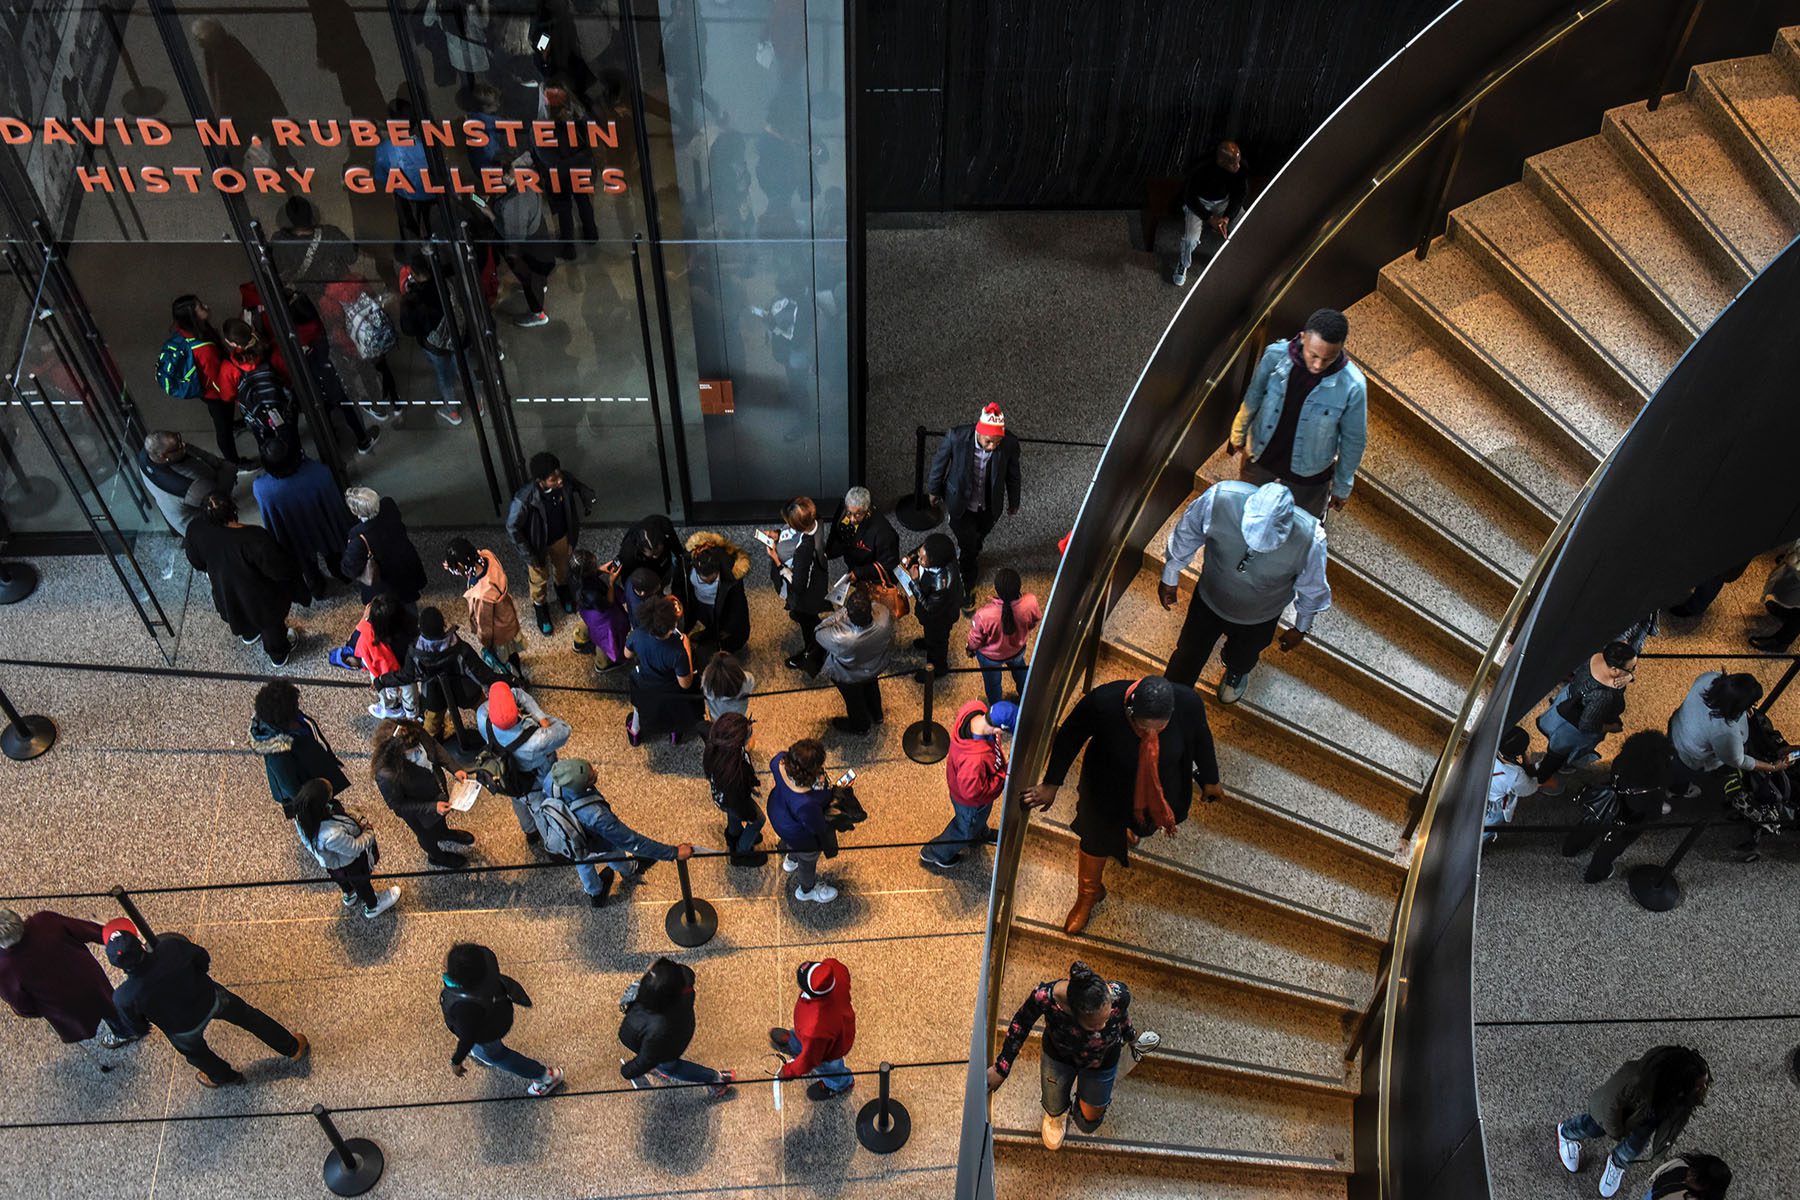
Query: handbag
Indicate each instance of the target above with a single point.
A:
(887, 594)
(370, 573)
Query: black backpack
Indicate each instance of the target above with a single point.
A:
(503, 772)
(266, 403)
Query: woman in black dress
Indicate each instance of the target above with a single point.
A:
(254, 580)
(1147, 745)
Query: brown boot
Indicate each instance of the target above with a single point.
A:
(1089, 891)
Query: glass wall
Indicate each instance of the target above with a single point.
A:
(478, 252)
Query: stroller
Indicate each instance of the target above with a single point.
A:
(1762, 799)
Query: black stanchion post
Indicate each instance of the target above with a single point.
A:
(137, 918)
(1781, 685)
(1656, 888)
(915, 511)
(690, 922)
(925, 741)
(353, 1165)
(17, 581)
(24, 737)
(883, 1125)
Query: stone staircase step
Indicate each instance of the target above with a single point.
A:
(1701, 180)
(1753, 99)
(1521, 240)
(1299, 1044)
(1302, 787)
(1377, 733)
(1474, 317)
(1157, 1114)
(1675, 269)
(1238, 940)
(1080, 1173)
(1413, 378)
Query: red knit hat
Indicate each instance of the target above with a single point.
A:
(503, 709)
(991, 422)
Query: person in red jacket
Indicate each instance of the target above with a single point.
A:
(824, 1030)
(193, 320)
(976, 769)
(47, 971)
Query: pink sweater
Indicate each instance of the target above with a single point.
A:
(988, 638)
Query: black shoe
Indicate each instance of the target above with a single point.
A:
(441, 858)
(608, 877)
(461, 837)
(778, 1038)
(797, 661)
(818, 1091)
(1769, 645)
(542, 612)
(846, 725)
(533, 838)
(565, 597)
(643, 866)
(757, 859)
(921, 644)
(926, 674)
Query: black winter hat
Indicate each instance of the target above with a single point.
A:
(431, 623)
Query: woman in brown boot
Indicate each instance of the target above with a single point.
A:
(1147, 745)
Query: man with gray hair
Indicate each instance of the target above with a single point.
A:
(47, 971)
(180, 477)
(1262, 554)
(378, 554)
(864, 539)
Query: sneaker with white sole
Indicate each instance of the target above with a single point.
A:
(383, 902)
(549, 1083)
(382, 712)
(449, 414)
(721, 1089)
(788, 864)
(1053, 1130)
(1568, 1149)
(1612, 1177)
(349, 899)
(1179, 278)
(1231, 688)
(822, 893)
(532, 320)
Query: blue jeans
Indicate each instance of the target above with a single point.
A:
(743, 834)
(502, 1057)
(990, 674)
(833, 1073)
(444, 367)
(683, 1071)
(1094, 1085)
(1632, 1147)
(965, 824)
(1567, 742)
(589, 873)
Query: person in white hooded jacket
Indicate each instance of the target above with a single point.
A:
(1262, 554)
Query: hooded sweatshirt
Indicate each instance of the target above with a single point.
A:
(826, 1026)
(976, 766)
(493, 617)
(1261, 553)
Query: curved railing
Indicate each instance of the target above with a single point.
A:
(1450, 117)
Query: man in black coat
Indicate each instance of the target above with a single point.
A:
(653, 543)
(170, 987)
(1114, 807)
(545, 525)
(975, 466)
(799, 568)
(864, 538)
(378, 554)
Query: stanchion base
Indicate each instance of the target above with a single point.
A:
(345, 1181)
(916, 517)
(693, 933)
(1794, 1066)
(926, 742)
(1652, 888)
(143, 101)
(28, 739)
(883, 1141)
(30, 495)
(17, 581)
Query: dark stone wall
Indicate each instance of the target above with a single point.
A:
(1076, 103)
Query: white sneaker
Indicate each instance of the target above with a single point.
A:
(1568, 1149)
(822, 893)
(1179, 278)
(383, 902)
(449, 414)
(1231, 688)
(382, 712)
(1611, 1178)
(788, 864)
(549, 1083)
(1053, 1130)
(1147, 1041)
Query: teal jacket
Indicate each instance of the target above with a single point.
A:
(1334, 424)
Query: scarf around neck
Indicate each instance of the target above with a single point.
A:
(1149, 807)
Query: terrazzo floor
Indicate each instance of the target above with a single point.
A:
(152, 785)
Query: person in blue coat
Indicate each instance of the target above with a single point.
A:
(303, 509)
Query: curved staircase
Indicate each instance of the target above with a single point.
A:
(1501, 369)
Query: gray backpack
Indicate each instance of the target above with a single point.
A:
(555, 815)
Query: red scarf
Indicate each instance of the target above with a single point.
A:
(1148, 804)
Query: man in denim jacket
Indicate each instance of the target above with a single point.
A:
(1304, 420)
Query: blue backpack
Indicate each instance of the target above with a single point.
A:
(176, 371)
